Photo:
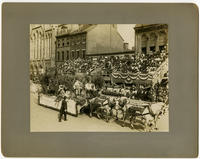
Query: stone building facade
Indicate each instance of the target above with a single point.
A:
(126, 46)
(151, 38)
(42, 47)
(83, 40)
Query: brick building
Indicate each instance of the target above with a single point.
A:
(84, 40)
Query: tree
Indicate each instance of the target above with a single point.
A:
(98, 80)
(44, 81)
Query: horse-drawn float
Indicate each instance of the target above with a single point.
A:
(53, 103)
(139, 113)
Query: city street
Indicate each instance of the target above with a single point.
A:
(43, 119)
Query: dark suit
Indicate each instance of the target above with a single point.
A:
(63, 110)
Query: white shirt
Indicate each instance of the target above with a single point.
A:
(88, 86)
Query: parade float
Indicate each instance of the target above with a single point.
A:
(51, 102)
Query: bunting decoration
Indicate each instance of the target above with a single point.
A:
(150, 77)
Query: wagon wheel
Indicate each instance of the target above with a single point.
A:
(147, 127)
(98, 112)
(107, 115)
(144, 123)
(122, 113)
(110, 114)
(102, 114)
(133, 121)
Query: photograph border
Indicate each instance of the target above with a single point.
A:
(182, 138)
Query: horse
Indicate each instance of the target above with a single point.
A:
(100, 105)
(135, 115)
(95, 103)
(119, 108)
(146, 115)
(155, 111)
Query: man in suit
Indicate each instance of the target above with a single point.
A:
(63, 109)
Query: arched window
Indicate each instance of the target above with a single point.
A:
(152, 42)
(58, 43)
(144, 43)
(63, 56)
(162, 41)
(83, 54)
(34, 47)
(72, 54)
(67, 55)
(162, 38)
(58, 56)
(63, 42)
(153, 38)
(77, 54)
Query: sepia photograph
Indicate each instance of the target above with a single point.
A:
(99, 78)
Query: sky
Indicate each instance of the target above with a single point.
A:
(127, 32)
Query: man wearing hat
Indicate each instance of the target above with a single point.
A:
(63, 109)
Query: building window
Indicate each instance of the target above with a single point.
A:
(68, 43)
(63, 56)
(67, 55)
(58, 56)
(83, 40)
(161, 48)
(77, 54)
(144, 50)
(152, 48)
(144, 43)
(83, 54)
(58, 43)
(72, 54)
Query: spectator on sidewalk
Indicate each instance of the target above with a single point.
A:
(63, 109)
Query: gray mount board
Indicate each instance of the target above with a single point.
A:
(182, 139)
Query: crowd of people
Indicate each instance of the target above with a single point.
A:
(144, 63)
